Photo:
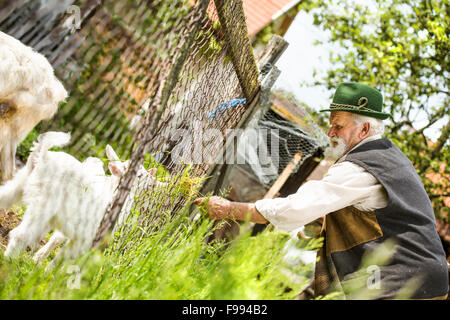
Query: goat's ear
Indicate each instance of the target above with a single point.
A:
(117, 169)
(152, 171)
(111, 154)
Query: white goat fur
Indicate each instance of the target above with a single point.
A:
(144, 180)
(29, 93)
(61, 193)
(65, 195)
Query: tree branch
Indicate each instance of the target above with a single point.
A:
(432, 196)
(442, 140)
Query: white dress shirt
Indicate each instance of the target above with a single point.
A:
(345, 184)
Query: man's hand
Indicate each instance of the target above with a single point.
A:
(218, 207)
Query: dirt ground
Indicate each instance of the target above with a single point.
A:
(8, 221)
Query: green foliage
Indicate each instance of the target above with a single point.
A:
(23, 149)
(174, 263)
(265, 34)
(160, 255)
(401, 48)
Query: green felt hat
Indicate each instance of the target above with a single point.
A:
(358, 98)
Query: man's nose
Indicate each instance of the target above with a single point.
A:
(331, 133)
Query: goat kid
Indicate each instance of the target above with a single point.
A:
(61, 194)
(142, 183)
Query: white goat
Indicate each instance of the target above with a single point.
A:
(144, 181)
(64, 195)
(29, 93)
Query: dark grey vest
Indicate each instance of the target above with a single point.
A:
(408, 219)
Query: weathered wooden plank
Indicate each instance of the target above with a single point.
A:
(233, 23)
(271, 53)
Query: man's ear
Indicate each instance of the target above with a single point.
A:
(365, 130)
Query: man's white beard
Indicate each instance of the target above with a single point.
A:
(334, 153)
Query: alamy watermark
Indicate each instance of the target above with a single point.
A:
(374, 280)
(74, 281)
(73, 22)
(255, 147)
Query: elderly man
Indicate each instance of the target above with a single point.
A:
(371, 194)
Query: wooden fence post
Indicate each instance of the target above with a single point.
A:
(233, 23)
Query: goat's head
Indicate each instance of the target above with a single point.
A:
(94, 165)
(118, 168)
(33, 93)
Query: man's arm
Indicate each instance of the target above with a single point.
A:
(345, 184)
(220, 208)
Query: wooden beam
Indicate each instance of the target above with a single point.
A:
(233, 23)
(271, 53)
(297, 179)
(273, 191)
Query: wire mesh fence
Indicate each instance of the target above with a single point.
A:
(141, 76)
(271, 143)
(162, 81)
(182, 112)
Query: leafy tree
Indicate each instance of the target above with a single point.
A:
(401, 48)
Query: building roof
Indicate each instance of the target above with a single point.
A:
(260, 13)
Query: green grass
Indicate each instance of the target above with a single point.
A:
(174, 263)
(164, 254)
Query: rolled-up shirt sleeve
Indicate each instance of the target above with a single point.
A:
(345, 184)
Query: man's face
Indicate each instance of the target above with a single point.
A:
(343, 134)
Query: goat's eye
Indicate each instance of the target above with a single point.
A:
(4, 107)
